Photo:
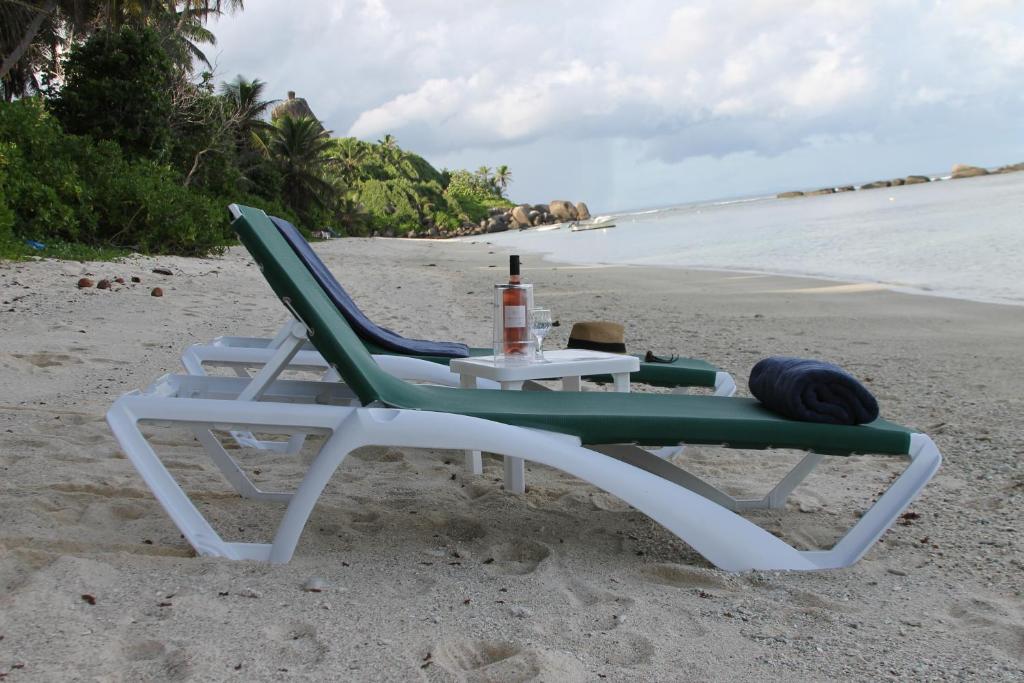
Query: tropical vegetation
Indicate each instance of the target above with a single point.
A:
(116, 136)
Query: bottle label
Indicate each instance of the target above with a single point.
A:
(515, 316)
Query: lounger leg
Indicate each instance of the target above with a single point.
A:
(232, 472)
(775, 499)
(924, 461)
(287, 343)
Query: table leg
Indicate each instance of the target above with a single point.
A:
(515, 469)
(621, 380)
(571, 384)
(474, 459)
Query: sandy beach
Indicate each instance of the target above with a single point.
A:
(433, 574)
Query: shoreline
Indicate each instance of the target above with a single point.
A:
(889, 286)
(432, 572)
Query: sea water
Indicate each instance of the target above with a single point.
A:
(959, 238)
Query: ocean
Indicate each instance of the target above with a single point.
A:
(956, 238)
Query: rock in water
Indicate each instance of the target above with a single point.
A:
(875, 185)
(562, 210)
(789, 195)
(521, 215)
(916, 179)
(582, 212)
(966, 171)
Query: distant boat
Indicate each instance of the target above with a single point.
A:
(580, 227)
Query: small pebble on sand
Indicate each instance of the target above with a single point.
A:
(157, 292)
(314, 584)
(84, 282)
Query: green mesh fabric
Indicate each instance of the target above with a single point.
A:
(594, 417)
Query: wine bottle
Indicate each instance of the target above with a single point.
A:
(513, 303)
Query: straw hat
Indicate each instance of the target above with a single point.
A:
(598, 335)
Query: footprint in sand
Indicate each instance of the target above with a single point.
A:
(491, 660)
(488, 661)
(144, 650)
(296, 644)
(461, 529)
(376, 454)
(517, 557)
(596, 608)
(45, 359)
(992, 624)
(623, 648)
(366, 522)
(680, 576)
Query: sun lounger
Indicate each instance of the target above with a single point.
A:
(246, 352)
(372, 407)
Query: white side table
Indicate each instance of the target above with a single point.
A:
(569, 365)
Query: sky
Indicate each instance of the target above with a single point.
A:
(645, 103)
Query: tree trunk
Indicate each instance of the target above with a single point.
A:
(26, 41)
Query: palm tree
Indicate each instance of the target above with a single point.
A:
(484, 173)
(298, 147)
(39, 30)
(33, 34)
(249, 110)
(349, 158)
(502, 178)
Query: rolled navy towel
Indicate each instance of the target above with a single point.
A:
(812, 391)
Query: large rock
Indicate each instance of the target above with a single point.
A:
(1011, 168)
(916, 179)
(846, 188)
(789, 195)
(497, 224)
(582, 212)
(295, 107)
(563, 210)
(875, 185)
(824, 190)
(965, 171)
(521, 215)
(895, 182)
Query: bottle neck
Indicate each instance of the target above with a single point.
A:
(514, 280)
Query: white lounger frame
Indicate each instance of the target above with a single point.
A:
(241, 353)
(682, 503)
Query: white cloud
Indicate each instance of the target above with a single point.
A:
(669, 80)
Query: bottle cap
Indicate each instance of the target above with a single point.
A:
(513, 264)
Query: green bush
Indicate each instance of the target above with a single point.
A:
(470, 197)
(117, 86)
(68, 188)
(6, 213)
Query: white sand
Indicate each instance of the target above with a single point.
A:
(437, 575)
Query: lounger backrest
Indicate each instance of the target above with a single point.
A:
(329, 332)
(367, 330)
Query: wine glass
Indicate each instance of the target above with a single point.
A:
(540, 323)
